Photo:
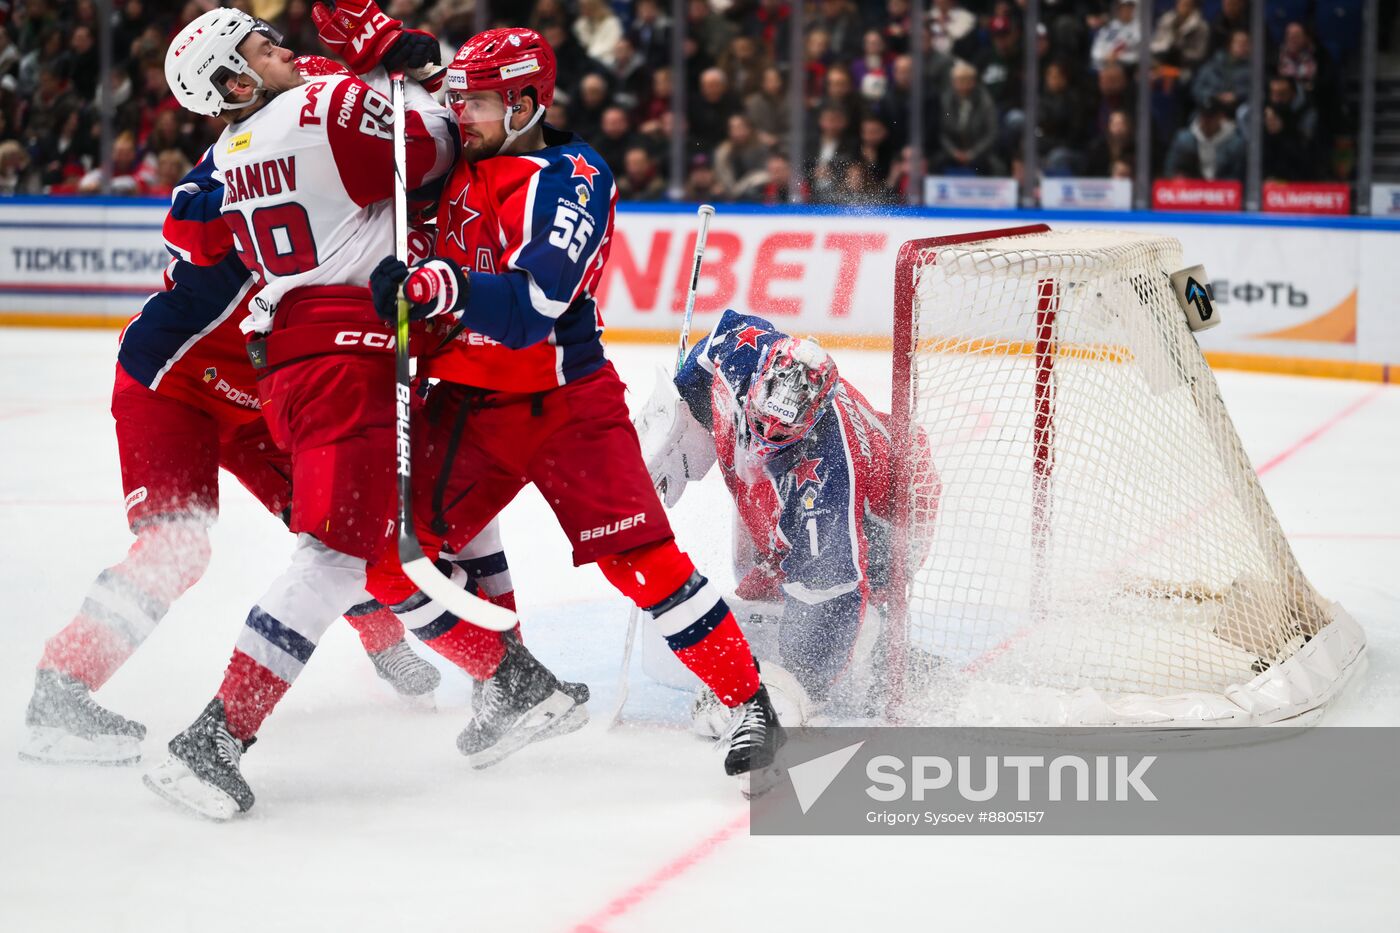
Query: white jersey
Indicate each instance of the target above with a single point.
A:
(309, 182)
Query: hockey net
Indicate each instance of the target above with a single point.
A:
(1101, 551)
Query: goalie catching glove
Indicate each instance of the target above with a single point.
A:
(363, 36)
(438, 286)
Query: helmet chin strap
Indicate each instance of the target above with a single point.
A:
(513, 135)
(259, 90)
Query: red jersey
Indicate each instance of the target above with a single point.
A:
(533, 231)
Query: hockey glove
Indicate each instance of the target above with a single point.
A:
(364, 36)
(438, 286)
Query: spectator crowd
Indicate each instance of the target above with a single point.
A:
(855, 79)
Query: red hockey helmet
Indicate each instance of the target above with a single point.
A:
(506, 61)
(318, 66)
(790, 391)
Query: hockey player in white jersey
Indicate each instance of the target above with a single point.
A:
(307, 169)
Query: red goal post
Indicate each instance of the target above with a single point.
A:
(911, 254)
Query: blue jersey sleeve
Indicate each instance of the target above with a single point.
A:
(194, 230)
(732, 352)
(693, 383)
(564, 224)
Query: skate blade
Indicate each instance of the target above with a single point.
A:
(422, 703)
(555, 716)
(753, 784)
(176, 783)
(51, 746)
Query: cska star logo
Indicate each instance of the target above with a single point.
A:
(458, 234)
(582, 169)
(806, 472)
(748, 337)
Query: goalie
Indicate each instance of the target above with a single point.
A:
(808, 463)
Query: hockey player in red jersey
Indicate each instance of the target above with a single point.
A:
(526, 393)
(307, 172)
(185, 404)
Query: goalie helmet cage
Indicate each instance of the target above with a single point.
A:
(1101, 551)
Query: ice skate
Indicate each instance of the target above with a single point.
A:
(201, 774)
(67, 727)
(408, 673)
(519, 704)
(752, 744)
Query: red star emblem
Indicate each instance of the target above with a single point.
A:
(458, 233)
(748, 337)
(806, 472)
(582, 169)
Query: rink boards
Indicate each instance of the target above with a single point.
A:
(1310, 296)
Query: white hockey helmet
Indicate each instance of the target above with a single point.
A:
(205, 55)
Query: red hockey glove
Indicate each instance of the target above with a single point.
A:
(438, 286)
(361, 34)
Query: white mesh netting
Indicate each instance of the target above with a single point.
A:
(1102, 551)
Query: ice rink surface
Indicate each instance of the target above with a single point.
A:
(368, 819)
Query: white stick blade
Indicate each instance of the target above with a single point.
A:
(456, 600)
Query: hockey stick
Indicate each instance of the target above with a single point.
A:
(634, 619)
(416, 564)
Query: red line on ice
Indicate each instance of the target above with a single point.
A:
(678, 866)
(1320, 430)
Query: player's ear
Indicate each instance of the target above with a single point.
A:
(528, 104)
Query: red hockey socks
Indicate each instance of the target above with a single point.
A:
(690, 613)
(477, 651)
(87, 650)
(249, 691)
(127, 601)
(378, 628)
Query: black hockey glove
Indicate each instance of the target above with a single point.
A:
(413, 50)
(437, 286)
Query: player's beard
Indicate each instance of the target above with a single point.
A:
(475, 149)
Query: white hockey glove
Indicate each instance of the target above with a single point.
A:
(677, 448)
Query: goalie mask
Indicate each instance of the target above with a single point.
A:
(790, 391)
(205, 55)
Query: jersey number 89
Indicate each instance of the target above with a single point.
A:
(279, 243)
(571, 230)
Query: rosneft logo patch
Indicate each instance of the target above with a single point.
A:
(516, 69)
(210, 374)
